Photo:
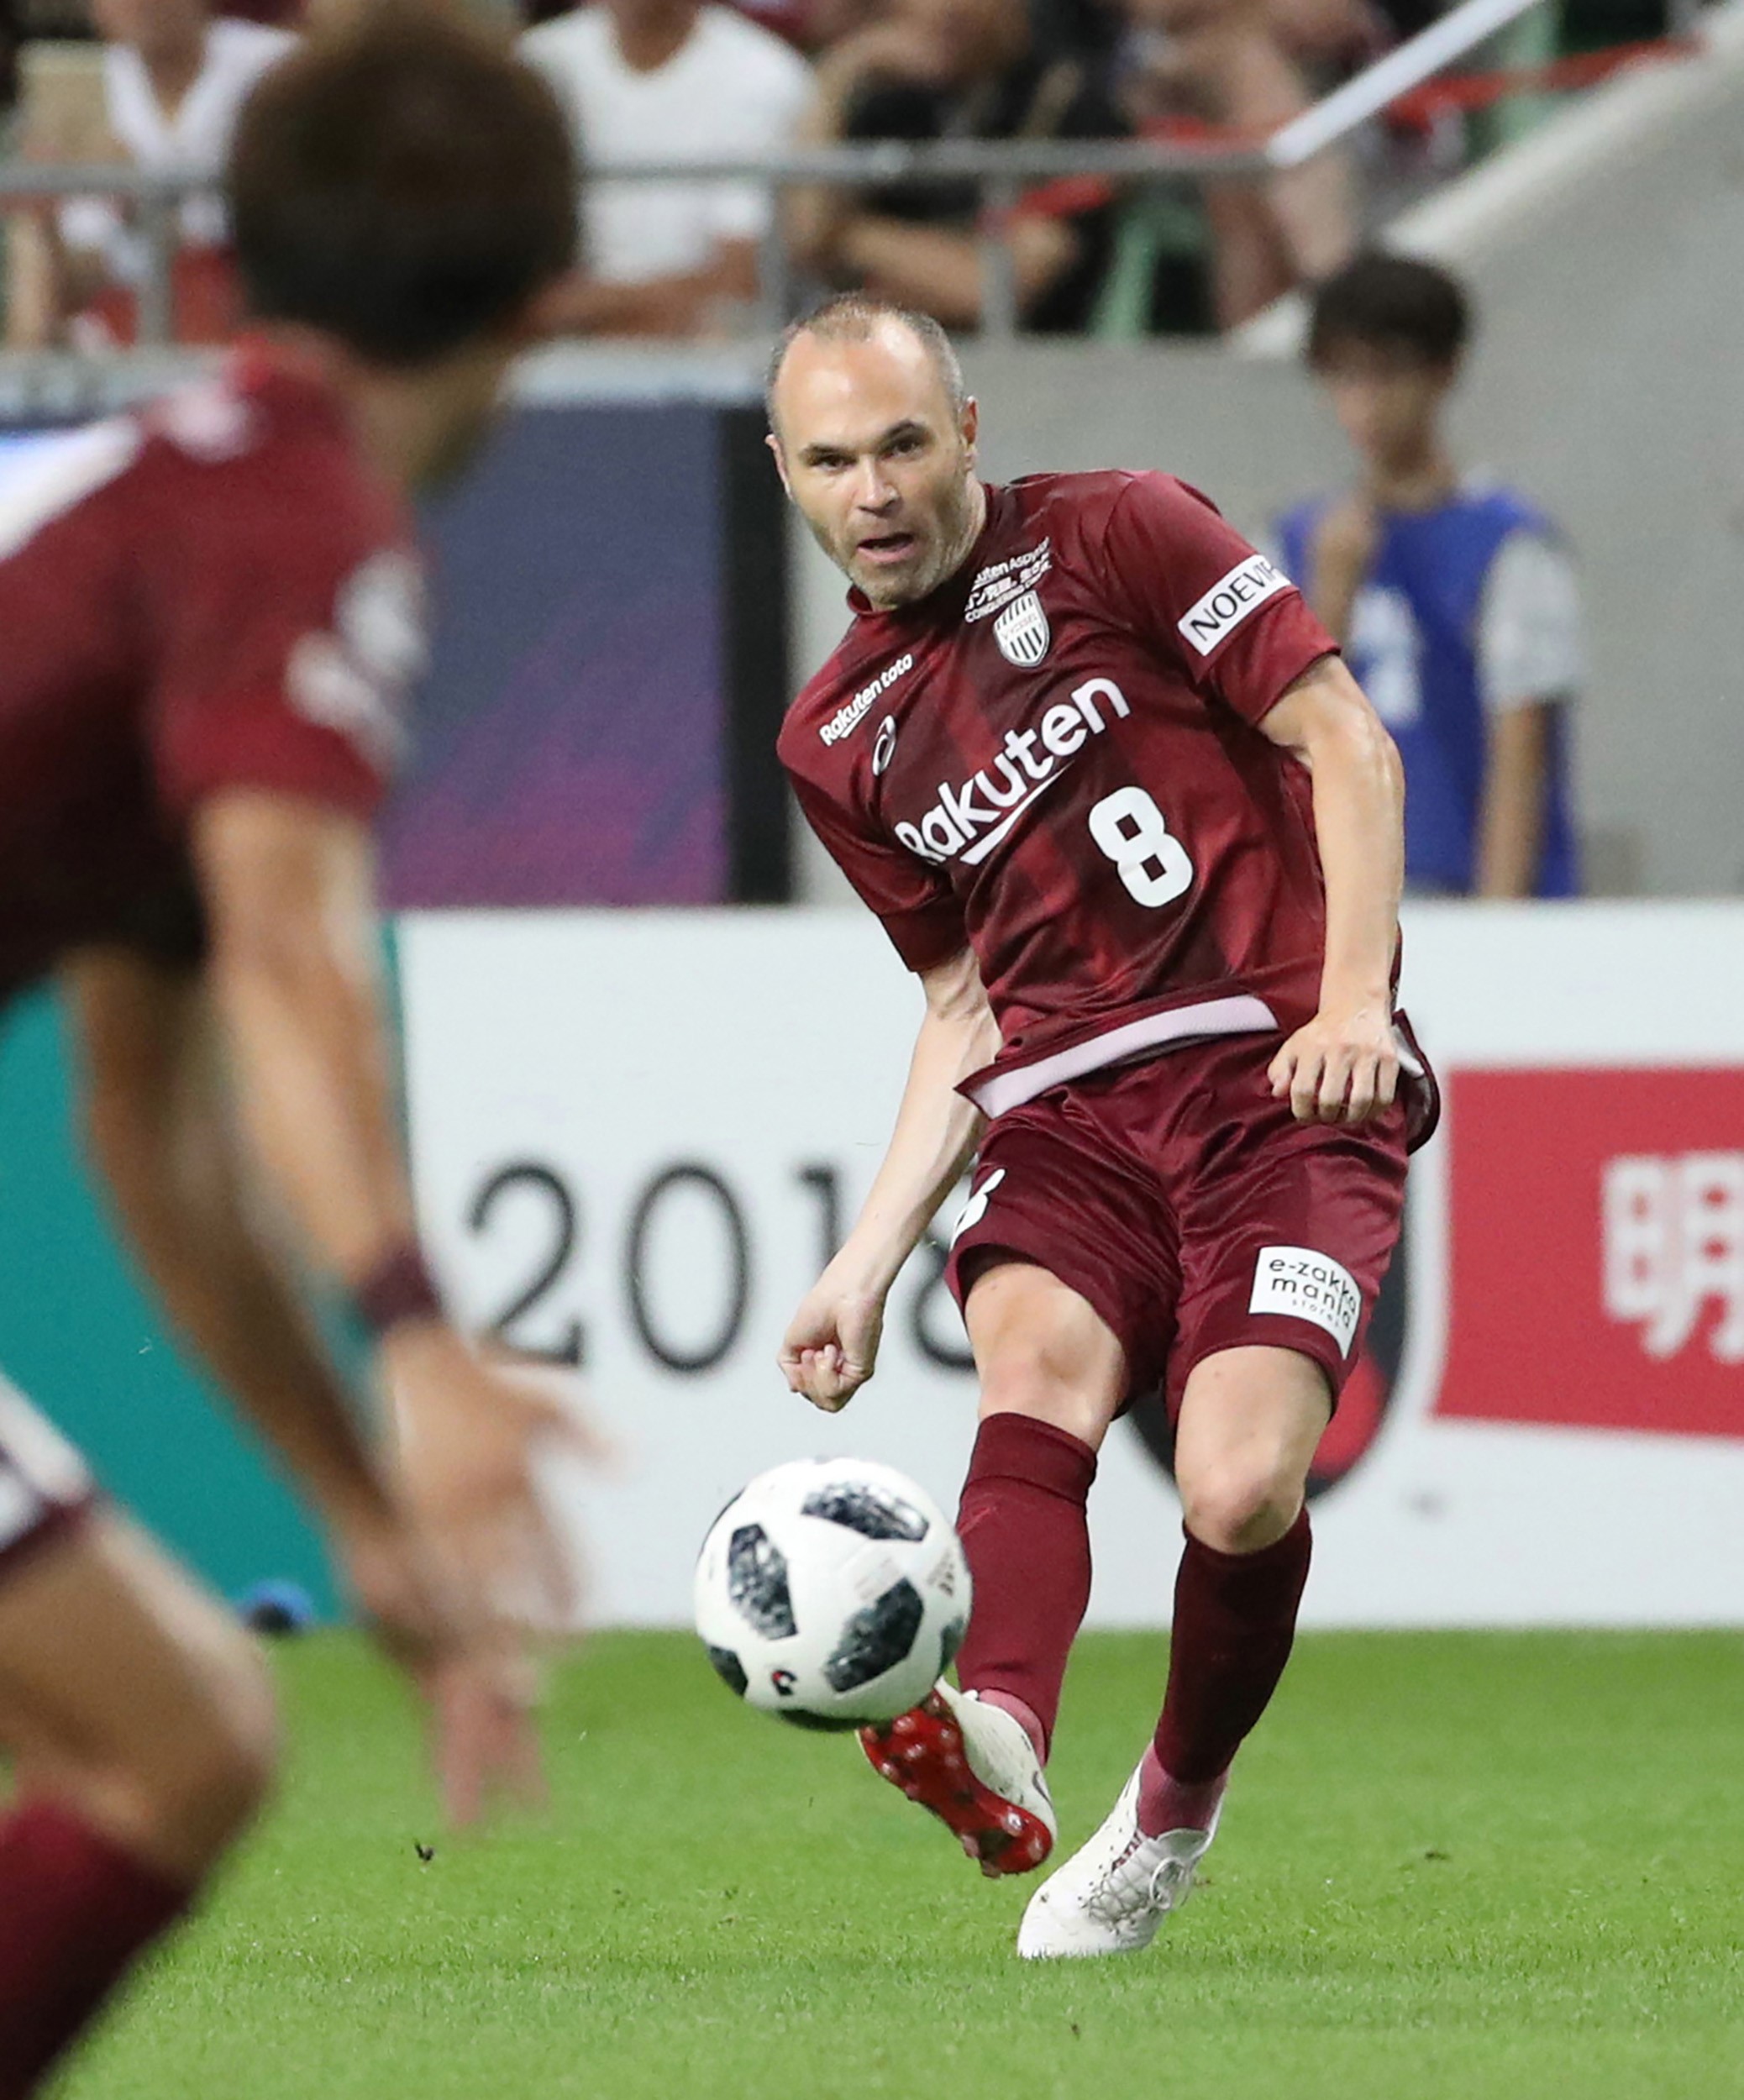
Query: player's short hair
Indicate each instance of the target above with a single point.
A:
(405, 185)
(855, 317)
(1390, 302)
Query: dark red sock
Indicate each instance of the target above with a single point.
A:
(75, 1913)
(1235, 1617)
(1022, 1524)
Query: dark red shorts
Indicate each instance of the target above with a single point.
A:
(44, 1486)
(1192, 1210)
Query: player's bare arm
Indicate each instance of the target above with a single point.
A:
(288, 887)
(159, 1132)
(1511, 833)
(830, 1347)
(1343, 1066)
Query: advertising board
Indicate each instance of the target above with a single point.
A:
(637, 1136)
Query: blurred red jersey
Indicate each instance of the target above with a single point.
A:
(212, 592)
(1055, 760)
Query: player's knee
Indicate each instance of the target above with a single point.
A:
(1241, 1506)
(1036, 1390)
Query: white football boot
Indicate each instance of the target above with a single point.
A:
(1115, 1890)
(976, 1769)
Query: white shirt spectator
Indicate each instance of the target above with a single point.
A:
(195, 139)
(732, 89)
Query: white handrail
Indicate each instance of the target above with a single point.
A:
(1346, 109)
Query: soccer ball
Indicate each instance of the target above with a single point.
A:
(832, 1592)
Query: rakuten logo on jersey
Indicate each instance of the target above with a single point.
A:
(971, 820)
(846, 719)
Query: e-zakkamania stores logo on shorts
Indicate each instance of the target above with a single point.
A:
(1367, 1393)
(1023, 633)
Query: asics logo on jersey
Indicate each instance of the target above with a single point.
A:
(845, 720)
(971, 820)
(1228, 603)
(885, 748)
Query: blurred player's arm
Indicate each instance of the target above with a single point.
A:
(1510, 824)
(288, 886)
(1343, 1066)
(158, 1131)
(831, 1347)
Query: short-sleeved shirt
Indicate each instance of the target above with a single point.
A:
(211, 593)
(1468, 611)
(1055, 760)
(193, 138)
(732, 90)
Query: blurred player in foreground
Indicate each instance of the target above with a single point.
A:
(1086, 754)
(210, 611)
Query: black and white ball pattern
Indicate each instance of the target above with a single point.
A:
(832, 1592)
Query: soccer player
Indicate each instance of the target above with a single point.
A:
(210, 608)
(1454, 599)
(1103, 778)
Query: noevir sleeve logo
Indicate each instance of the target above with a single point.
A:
(1229, 601)
(971, 820)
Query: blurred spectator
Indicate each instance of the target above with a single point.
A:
(1455, 599)
(654, 81)
(1244, 66)
(173, 82)
(935, 69)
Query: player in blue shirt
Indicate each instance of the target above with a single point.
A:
(1455, 600)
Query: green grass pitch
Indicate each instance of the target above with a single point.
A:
(1457, 1867)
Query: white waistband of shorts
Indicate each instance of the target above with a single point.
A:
(1243, 1014)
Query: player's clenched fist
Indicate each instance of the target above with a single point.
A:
(831, 1345)
(1343, 1067)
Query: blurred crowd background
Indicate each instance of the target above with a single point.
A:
(155, 84)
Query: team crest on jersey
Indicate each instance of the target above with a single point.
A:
(1023, 633)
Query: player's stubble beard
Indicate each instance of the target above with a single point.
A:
(945, 538)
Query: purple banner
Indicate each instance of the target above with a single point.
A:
(572, 737)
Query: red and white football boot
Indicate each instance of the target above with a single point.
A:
(974, 1767)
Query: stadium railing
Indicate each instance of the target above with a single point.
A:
(1000, 170)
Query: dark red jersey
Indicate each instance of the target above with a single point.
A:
(1055, 760)
(212, 592)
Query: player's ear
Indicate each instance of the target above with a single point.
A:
(970, 425)
(774, 445)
